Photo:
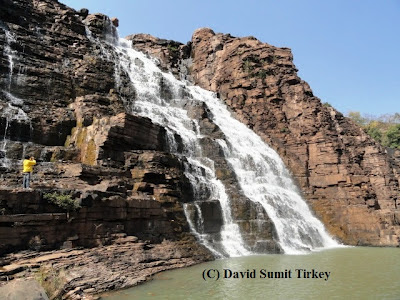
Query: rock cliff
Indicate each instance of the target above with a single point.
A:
(347, 177)
(350, 181)
(65, 101)
(58, 103)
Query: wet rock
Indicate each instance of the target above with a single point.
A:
(267, 246)
(172, 55)
(211, 221)
(98, 24)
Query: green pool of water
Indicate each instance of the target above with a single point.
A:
(343, 273)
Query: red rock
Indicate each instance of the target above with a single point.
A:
(328, 154)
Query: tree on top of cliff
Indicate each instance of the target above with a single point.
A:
(385, 129)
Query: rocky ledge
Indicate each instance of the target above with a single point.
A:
(129, 225)
(86, 273)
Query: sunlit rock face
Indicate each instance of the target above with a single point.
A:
(348, 179)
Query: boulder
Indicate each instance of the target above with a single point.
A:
(23, 289)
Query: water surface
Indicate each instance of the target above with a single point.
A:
(355, 273)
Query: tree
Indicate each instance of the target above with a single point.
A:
(393, 136)
(374, 129)
(357, 118)
(385, 129)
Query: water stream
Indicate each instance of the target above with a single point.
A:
(168, 111)
(9, 52)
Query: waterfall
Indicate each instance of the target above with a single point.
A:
(264, 179)
(13, 112)
(261, 174)
(167, 111)
(9, 52)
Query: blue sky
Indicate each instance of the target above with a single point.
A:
(347, 50)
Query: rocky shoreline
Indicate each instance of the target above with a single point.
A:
(83, 273)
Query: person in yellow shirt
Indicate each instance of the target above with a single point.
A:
(28, 164)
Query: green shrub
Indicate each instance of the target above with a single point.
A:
(285, 130)
(247, 66)
(172, 48)
(273, 58)
(393, 136)
(357, 118)
(384, 129)
(327, 104)
(62, 200)
(262, 74)
(375, 130)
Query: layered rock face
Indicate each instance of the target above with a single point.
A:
(65, 101)
(58, 103)
(349, 180)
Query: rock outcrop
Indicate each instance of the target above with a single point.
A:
(80, 273)
(172, 56)
(23, 289)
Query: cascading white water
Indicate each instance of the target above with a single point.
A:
(13, 112)
(261, 173)
(264, 178)
(9, 52)
(146, 77)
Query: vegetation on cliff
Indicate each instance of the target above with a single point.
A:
(385, 129)
(62, 200)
